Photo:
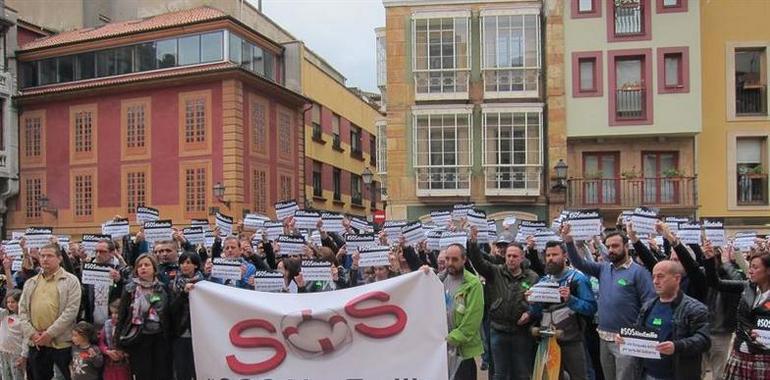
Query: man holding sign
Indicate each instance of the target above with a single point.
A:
(681, 324)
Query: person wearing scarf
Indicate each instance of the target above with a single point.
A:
(189, 265)
(143, 324)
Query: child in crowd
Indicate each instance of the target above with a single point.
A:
(115, 363)
(86, 358)
(11, 363)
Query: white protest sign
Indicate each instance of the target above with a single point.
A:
(441, 218)
(316, 270)
(413, 233)
(285, 209)
(89, 241)
(491, 234)
(544, 292)
(96, 274)
(194, 235)
(354, 242)
(478, 219)
(744, 240)
(63, 240)
(146, 214)
(509, 222)
(157, 230)
(291, 245)
(460, 210)
(584, 225)
(333, 222)
(763, 331)
(273, 230)
(639, 344)
(268, 281)
(714, 231)
(689, 233)
(116, 228)
(37, 237)
(16, 264)
(252, 222)
(374, 255)
(626, 215)
(315, 238)
(529, 228)
(17, 235)
(542, 238)
(393, 229)
(434, 239)
(225, 224)
(673, 222)
(361, 225)
(450, 238)
(644, 220)
(12, 248)
(209, 239)
(292, 324)
(226, 269)
(306, 220)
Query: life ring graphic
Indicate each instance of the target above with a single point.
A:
(308, 346)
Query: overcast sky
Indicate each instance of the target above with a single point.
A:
(340, 31)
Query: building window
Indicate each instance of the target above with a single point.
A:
(136, 190)
(259, 187)
(671, 6)
(661, 185)
(751, 169)
(355, 141)
(356, 195)
(318, 179)
(511, 55)
(442, 59)
(33, 190)
(285, 135)
(382, 56)
(259, 138)
(600, 184)
(195, 189)
(316, 120)
(751, 81)
(195, 120)
(336, 143)
(83, 132)
(251, 57)
(442, 153)
(587, 78)
(629, 20)
(382, 148)
(84, 187)
(512, 151)
(286, 187)
(33, 132)
(673, 70)
(373, 150)
(585, 8)
(135, 127)
(337, 183)
(630, 87)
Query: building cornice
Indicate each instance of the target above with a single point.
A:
(417, 3)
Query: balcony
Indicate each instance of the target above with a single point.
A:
(623, 193)
(512, 180)
(441, 84)
(752, 190)
(443, 181)
(630, 103)
(629, 18)
(751, 100)
(516, 83)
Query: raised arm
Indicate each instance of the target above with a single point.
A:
(587, 267)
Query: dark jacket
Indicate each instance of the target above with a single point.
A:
(179, 308)
(696, 278)
(723, 304)
(690, 333)
(87, 297)
(505, 290)
(747, 314)
(161, 306)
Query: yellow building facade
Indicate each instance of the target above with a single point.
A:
(733, 147)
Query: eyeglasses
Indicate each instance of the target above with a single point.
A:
(166, 250)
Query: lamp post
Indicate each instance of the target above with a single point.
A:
(43, 201)
(368, 177)
(219, 193)
(561, 175)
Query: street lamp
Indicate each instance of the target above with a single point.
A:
(43, 201)
(219, 193)
(561, 174)
(367, 176)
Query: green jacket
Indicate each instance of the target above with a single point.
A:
(467, 314)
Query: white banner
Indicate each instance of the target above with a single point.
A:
(303, 336)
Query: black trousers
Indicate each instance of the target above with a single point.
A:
(41, 361)
(467, 370)
(150, 358)
(184, 365)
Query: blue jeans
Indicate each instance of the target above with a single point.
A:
(513, 354)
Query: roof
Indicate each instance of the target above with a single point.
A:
(163, 21)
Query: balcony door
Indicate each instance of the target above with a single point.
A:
(600, 173)
(661, 180)
(630, 88)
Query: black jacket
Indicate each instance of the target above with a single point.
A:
(161, 306)
(690, 333)
(87, 295)
(696, 278)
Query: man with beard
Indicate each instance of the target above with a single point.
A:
(465, 308)
(571, 315)
(513, 347)
(624, 287)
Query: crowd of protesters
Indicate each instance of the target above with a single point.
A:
(702, 301)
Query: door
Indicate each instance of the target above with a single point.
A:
(661, 180)
(600, 173)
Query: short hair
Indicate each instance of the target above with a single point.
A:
(672, 267)
(555, 243)
(192, 256)
(232, 237)
(165, 242)
(150, 257)
(110, 244)
(514, 244)
(460, 246)
(613, 233)
(53, 246)
(86, 330)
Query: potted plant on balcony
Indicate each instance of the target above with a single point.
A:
(757, 172)
(672, 173)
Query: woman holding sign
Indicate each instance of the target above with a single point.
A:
(189, 265)
(143, 323)
(750, 358)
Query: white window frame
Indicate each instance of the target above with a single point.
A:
(730, 75)
(458, 73)
(382, 68)
(526, 11)
(382, 147)
(463, 173)
(732, 175)
(491, 167)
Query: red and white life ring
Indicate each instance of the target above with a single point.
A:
(314, 346)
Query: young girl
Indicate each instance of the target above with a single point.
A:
(10, 338)
(115, 363)
(87, 360)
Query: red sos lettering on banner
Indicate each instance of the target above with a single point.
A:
(352, 309)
